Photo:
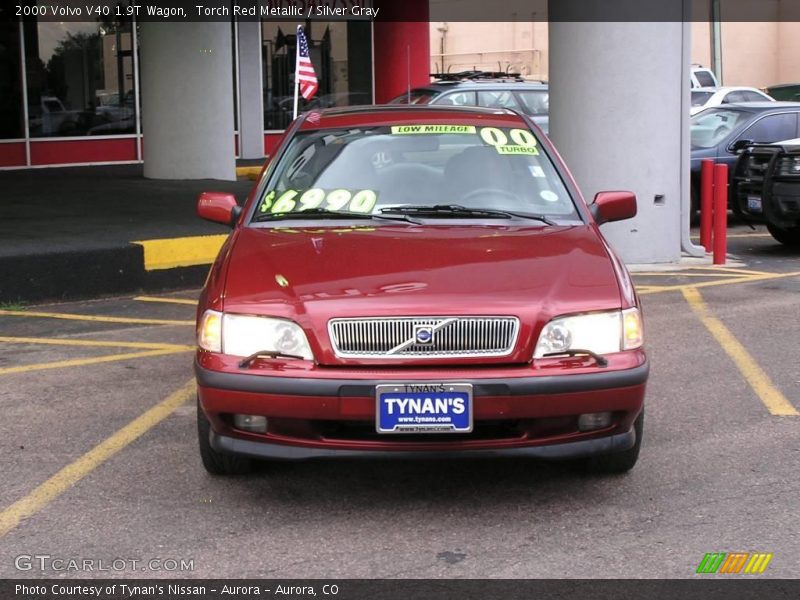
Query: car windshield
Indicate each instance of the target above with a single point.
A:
(376, 170)
(712, 126)
(700, 98)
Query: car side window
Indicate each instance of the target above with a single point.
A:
(772, 128)
(498, 99)
(753, 97)
(704, 78)
(457, 99)
(734, 97)
(535, 102)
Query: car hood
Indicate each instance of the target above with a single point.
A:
(312, 275)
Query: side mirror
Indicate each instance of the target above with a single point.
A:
(218, 207)
(739, 145)
(613, 206)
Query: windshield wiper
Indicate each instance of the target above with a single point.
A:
(246, 362)
(601, 360)
(450, 210)
(324, 213)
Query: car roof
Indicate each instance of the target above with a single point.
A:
(765, 105)
(727, 88)
(757, 107)
(482, 84)
(394, 114)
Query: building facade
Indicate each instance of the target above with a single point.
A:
(71, 93)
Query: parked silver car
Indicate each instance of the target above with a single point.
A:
(480, 88)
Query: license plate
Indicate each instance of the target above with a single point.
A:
(423, 408)
(754, 204)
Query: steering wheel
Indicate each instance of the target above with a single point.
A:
(491, 193)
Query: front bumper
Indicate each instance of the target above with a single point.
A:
(533, 416)
(567, 450)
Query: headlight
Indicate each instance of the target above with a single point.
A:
(242, 335)
(601, 333)
(789, 166)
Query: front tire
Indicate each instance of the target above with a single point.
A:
(618, 462)
(787, 237)
(218, 463)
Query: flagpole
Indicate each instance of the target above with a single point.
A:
(296, 72)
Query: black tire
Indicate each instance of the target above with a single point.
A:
(218, 463)
(787, 237)
(618, 462)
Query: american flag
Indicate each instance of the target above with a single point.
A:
(305, 70)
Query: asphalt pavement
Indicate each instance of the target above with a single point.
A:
(100, 461)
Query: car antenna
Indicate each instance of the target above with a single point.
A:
(408, 73)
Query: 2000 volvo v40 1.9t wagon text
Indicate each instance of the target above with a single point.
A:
(415, 281)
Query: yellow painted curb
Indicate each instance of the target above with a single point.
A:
(249, 172)
(180, 252)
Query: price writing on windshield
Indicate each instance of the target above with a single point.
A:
(359, 201)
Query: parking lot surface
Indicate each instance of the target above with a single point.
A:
(100, 462)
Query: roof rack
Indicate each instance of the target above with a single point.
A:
(476, 75)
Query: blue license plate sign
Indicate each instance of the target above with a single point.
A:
(423, 408)
(754, 204)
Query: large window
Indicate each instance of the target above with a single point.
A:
(11, 115)
(80, 79)
(342, 57)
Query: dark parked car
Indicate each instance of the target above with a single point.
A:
(721, 133)
(418, 281)
(766, 188)
(785, 91)
(479, 88)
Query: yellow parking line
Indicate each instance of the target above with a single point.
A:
(696, 238)
(67, 477)
(81, 362)
(678, 274)
(734, 270)
(94, 343)
(704, 284)
(166, 300)
(773, 399)
(94, 318)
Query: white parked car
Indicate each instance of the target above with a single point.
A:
(706, 97)
(703, 77)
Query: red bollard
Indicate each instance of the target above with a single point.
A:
(720, 213)
(706, 202)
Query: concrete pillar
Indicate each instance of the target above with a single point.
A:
(251, 91)
(187, 100)
(619, 117)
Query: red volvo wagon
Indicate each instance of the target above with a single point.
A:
(417, 281)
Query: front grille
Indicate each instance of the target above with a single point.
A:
(756, 164)
(423, 337)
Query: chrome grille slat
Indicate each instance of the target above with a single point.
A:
(461, 337)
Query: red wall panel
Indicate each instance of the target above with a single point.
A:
(12, 154)
(55, 152)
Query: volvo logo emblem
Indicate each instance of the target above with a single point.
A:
(423, 334)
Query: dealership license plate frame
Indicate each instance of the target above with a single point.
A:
(427, 388)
